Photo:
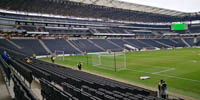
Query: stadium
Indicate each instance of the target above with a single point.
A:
(98, 50)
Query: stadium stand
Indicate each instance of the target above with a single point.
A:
(5, 68)
(153, 43)
(180, 43)
(85, 45)
(190, 41)
(59, 44)
(30, 46)
(22, 92)
(7, 45)
(167, 42)
(119, 42)
(104, 43)
(25, 72)
(87, 10)
(137, 43)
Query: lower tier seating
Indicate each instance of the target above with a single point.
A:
(31, 46)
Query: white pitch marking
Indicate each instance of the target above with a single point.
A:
(156, 67)
(171, 69)
(187, 79)
(179, 78)
(194, 61)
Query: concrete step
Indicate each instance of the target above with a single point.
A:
(73, 46)
(45, 47)
(185, 42)
(96, 45)
(4, 93)
(14, 44)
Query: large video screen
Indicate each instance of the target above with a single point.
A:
(179, 27)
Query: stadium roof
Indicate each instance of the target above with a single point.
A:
(179, 5)
(135, 7)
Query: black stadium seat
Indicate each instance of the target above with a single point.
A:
(21, 91)
(25, 72)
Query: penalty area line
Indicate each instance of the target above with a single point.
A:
(171, 69)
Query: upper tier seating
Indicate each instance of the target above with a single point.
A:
(112, 31)
(30, 29)
(69, 8)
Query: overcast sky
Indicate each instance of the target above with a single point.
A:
(179, 5)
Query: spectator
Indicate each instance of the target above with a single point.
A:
(28, 60)
(162, 88)
(79, 65)
(53, 58)
(6, 57)
(34, 56)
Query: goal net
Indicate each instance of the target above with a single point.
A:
(60, 55)
(112, 60)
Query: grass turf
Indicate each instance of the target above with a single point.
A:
(180, 68)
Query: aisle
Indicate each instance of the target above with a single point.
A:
(4, 95)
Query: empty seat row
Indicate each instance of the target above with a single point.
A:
(78, 93)
(35, 71)
(51, 92)
(103, 94)
(21, 91)
(25, 72)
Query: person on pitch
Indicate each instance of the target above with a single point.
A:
(79, 66)
(53, 58)
(162, 89)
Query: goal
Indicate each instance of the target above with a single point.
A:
(60, 55)
(110, 60)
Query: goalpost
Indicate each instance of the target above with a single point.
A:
(60, 55)
(110, 60)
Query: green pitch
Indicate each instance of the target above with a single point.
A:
(179, 68)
